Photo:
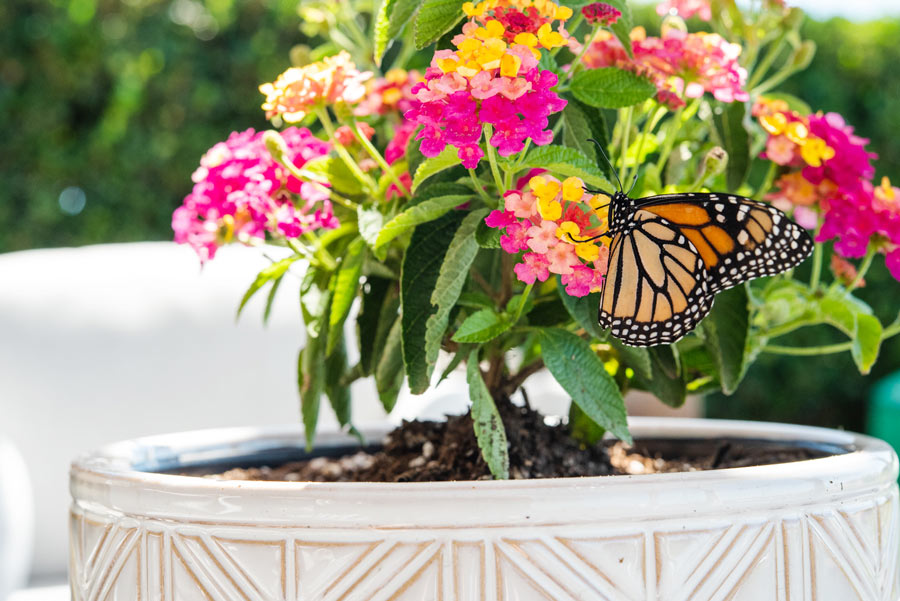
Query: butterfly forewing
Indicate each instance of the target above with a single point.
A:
(677, 251)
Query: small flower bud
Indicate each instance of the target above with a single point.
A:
(276, 145)
(803, 55)
(671, 22)
(600, 13)
(793, 18)
(714, 163)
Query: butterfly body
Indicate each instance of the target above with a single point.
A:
(671, 254)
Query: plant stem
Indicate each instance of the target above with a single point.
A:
(623, 153)
(358, 173)
(808, 351)
(669, 141)
(492, 158)
(577, 64)
(767, 182)
(816, 266)
(863, 269)
(480, 189)
(378, 158)
(522, 302)
(298, 173)
(763, 67)
(324, 257)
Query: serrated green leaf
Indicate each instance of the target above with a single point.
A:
(344, 286)
(271, 272)
(389, 371)
(419, 274)
(333, 171)
(584, 310)
(582, 428)
(461, 354)
(482, 326)
(435, 18)
(623, 25)
(370, 222)
(451, 278)
(433, 165)
(487, 237)
(315, 298)
(401, 15)
(867, 342)
(568, 162)
(581, 124)
(582, 374)
(635, 357)
(611, 88)
(725, 332)
(375, 293)
(422, 212)
(311, 383)
(382, 23)
(729, 120)
(338, 394)
(489, 430)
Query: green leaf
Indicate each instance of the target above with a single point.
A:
(725, 331)
(376, 293)
(430, 166)
(635, 357)
(582, 374)
(390, 19)
(638, 150)
(335, 172)
(461, 354)
(611, 88)
(582, 123)
(311, 384)
(419, 274)
(451, 278)
(422, 212)
(315, 298)
(435, 18)
(568, 162)
(370, 222)
(344, 286)
(729, 120)
(867, 342)
(338, 394)
(270, 299)
(582, 428)
(666, 382)
(486, 419)
(624, 24)
(487, 237)
(270, 273)
(389, 371)
(584, 310)
(482, 326)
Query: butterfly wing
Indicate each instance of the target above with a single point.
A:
(656, 288)
(679, 250)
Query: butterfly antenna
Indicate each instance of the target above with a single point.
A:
(608, 162)
(633, 184)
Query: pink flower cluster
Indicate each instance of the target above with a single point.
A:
(830, 173)
(552, 221)
(240, 193)
(600, 13)
(393, 94)
(687, 64)
(509, 92)
(685, 9)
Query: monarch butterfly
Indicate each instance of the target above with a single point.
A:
(671, 254)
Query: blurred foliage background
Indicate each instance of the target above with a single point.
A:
(107, 105)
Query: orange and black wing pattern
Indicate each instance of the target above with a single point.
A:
(679, 250)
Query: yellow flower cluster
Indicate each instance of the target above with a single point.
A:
(550, 208)
(813, 149)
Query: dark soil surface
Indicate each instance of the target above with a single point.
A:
(441, 451)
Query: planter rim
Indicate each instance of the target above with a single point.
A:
(108, 477)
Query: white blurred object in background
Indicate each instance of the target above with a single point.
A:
(16, 519)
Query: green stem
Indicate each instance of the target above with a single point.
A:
(626, 140)
(773, 81)
(808, 351)
(492, 158)
(763, 67)
(322, 254)
(863, 269)
(767, 182)
(522, 302)
(298, 173)
(816, 266)
(480, 189)
(787, 328)
(302, 251)
(577, 64)
(378, 158)
(525, 150)
(669, 141)
(358, 173)
(649, 124)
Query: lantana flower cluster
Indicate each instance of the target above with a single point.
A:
(551, 223)
(492, 78)
(681, 64)
(301, 90)
(392, 94)
(829, 172)
(240, 193)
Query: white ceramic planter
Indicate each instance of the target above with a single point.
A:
(823, 530)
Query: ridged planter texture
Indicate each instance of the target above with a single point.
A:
(817, 530)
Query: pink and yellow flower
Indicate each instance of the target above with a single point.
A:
(241, 194)
(553, 222)
(687, 64)
(300, 90)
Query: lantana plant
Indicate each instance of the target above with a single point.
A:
(431, 161)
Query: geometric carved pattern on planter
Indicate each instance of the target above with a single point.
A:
(833, 552)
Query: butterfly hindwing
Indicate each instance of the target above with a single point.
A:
(656, 287)
(671, 254)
